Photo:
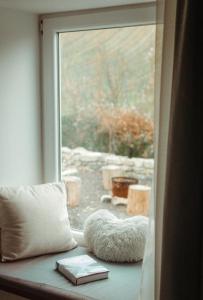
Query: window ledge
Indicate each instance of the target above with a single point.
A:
(35, 278)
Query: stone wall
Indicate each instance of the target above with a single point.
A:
(74, 160)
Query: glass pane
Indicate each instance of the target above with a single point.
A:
(107, 107)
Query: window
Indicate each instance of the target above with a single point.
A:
(97, 70)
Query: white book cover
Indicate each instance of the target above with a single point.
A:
(82, 268)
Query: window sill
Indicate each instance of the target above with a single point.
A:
(35, 278)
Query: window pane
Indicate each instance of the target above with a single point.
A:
(107, 106)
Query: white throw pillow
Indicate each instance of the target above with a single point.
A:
(34, 221)
(113, 239)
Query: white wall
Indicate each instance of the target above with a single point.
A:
(20, 112)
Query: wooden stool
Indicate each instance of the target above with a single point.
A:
(138, 199)
(108, 172)
(73, 186)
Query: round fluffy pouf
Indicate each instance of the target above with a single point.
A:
(113, 239)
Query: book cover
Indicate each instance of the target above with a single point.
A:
(81, 269)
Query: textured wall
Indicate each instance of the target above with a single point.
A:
(80, 158)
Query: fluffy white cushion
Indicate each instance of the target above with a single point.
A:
(34, 220)
(113, 239)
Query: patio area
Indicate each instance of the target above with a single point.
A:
(87, 165)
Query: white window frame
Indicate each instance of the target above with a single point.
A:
(132, 15)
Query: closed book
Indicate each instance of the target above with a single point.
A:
(81, 269)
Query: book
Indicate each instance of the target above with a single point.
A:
(81, 269)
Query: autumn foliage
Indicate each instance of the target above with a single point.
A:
(129, 132)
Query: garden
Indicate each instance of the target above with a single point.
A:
(107, 107)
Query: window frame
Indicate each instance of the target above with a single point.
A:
(51, 25)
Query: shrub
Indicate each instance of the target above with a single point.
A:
(130, 133)
(82, 132)
(119, 131)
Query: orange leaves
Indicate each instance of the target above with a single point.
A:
(125, 124)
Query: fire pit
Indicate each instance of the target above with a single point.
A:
(120, 186)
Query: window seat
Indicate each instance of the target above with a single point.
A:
(36, 278)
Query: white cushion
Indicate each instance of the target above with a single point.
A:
(34, 220)
(113, 239)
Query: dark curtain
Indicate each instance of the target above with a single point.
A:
(181, 272)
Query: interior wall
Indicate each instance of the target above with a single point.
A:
(20, 111)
